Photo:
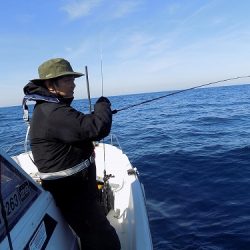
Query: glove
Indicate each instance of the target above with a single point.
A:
(103, 99)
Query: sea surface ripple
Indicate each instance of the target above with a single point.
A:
(192, 150)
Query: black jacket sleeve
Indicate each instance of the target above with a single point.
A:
(69, 125)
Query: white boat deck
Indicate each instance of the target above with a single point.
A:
(129, 216)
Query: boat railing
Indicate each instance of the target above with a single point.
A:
(23, 146)
(114, 141)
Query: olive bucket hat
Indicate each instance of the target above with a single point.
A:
(54, 68)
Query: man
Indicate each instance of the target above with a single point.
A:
(61, 140)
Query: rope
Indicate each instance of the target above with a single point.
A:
(177, 92)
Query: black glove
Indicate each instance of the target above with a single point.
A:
(103, 99)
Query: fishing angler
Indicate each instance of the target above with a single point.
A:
(61, 140)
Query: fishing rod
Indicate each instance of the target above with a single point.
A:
(177, 92)
(106, 177)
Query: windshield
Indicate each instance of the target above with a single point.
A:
(17, 194)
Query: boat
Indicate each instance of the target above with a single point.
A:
(29, 218)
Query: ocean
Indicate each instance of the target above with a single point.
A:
(192, 151)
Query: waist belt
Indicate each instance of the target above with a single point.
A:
(68, 172)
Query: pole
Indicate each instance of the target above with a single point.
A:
(88, 90)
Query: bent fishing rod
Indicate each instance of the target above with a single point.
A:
(177, 92)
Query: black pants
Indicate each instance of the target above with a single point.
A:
(76, 197)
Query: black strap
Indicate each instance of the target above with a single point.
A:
(35, 98)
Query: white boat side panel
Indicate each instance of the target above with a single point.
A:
(30, 229)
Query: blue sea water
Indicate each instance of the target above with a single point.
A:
(192, 150)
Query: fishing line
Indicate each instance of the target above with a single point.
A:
(177, 92)
(101, 61)
(101, 72)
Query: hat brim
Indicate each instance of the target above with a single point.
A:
(70, 73)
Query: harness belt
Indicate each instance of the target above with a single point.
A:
(68, 172)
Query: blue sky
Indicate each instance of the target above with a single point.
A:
(145, 46)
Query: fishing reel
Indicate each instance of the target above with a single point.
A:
(105, 194)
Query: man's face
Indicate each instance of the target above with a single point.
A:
(65, 86)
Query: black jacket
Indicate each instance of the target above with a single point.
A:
(61, 136)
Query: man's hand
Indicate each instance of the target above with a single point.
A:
(103, 99)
